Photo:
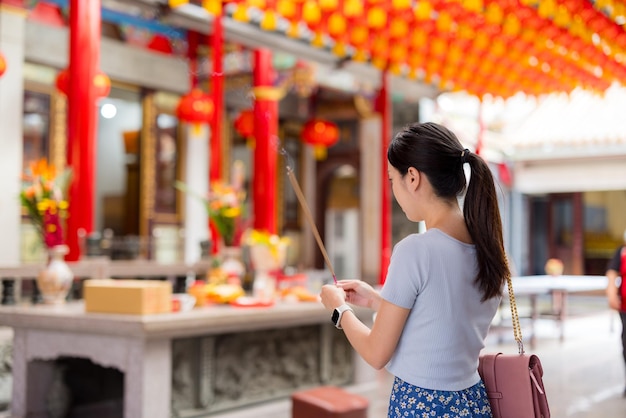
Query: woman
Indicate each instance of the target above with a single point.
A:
(443, 287)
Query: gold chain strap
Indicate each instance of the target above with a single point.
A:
(517, 330)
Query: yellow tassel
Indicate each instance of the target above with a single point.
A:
(339, 49)
(294, 30)
(318, 40)
(320, 152)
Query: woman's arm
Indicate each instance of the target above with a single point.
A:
(375, 345)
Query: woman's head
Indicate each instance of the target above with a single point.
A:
(436, 152)
(433, 150)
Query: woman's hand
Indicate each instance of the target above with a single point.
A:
(360, 293)
(332, 296)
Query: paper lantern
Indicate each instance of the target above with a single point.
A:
(196, 108)
(388, 34)
(244, 125)
(321, 134)
(101, 82)
(377, 18)
(3, 64)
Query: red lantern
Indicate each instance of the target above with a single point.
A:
(321, 134)
(62, 81)
(101, 82)
(244, 125)
(3, 64)
(196, 107)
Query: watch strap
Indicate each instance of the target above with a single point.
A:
(338, 314)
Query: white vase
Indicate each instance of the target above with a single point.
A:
(231, 263)
(264, 285)
(267, 264)
(55, 280)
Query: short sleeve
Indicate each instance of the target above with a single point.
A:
(407, 272)
(614, 263)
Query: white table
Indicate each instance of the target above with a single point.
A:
(559, 287)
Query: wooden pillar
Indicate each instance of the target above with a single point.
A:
(384, 108)
(82, 121)
(265, 132)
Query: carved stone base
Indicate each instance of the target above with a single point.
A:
(233, 370)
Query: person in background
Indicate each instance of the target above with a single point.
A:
(616, 293)
(443, 286)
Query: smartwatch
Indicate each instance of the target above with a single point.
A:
(338, 313)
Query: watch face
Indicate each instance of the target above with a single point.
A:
(335, 316)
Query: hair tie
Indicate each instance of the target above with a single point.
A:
(464, 154)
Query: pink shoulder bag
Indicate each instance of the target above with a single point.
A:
(514, 382)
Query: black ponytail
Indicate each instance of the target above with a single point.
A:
(482, 216)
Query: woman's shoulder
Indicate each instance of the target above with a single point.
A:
(428, 237)
(414, 239)
(417, 241)
(430, 242)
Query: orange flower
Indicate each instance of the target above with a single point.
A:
(42, 169)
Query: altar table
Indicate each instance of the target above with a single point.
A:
(142, 347)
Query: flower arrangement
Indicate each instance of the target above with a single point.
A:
(225, 206)
(42, 196)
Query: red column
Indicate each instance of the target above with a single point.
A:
(217, 81)
(265, 132)
(384, 107)
(82, 119)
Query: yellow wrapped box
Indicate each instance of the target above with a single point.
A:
(127, 296)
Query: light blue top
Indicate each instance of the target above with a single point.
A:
(432, 274)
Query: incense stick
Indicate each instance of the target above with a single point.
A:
(309, 217)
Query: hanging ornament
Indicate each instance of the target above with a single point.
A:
(244, 125)
(196, 108)
(101, 82)
(321, 134)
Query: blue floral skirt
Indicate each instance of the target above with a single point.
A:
(412, 401)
